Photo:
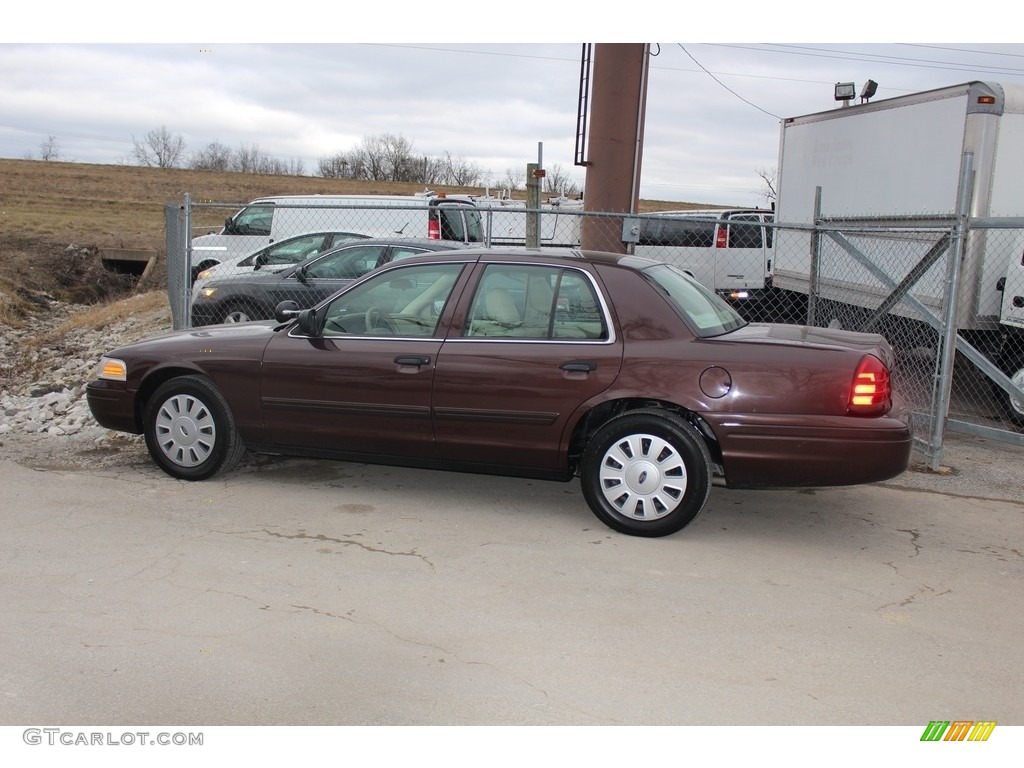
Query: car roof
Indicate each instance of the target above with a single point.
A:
(422, 242)
(710, 212)
(518, 253)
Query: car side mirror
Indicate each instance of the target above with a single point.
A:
(308, 322)
(261, 260)
(286, 310)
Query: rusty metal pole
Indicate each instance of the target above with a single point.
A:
(615, 145)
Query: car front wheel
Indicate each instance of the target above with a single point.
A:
(190, 432)
(238, 313)
(646, 473)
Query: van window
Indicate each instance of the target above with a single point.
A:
(461, 223)
(251, 220)
(688, 233)
(743, 235)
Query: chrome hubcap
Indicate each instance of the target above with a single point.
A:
(185, 430)
(643, 477)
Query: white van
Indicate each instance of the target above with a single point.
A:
(727, 250)
(268, 219)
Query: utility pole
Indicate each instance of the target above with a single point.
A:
(615, 147)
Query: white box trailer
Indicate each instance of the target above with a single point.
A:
(900, 158)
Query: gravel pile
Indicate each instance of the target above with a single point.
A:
(43, 375)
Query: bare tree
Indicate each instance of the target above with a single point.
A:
(514, 179)
(558, 181)
(459, 172)
(431, 171)
(769, 182)
(216, 157)
(250, 159)
(336, 166)
(159, 149)
(398, 160)
(385, 157)
(49, 150)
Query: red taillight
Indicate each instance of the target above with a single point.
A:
(870, 393)
(722, 237)
(433, 229)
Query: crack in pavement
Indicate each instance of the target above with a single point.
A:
(352, 543)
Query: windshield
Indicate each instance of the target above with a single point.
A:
(251, 220)
(707, 312)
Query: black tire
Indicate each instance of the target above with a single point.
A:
(190, 432)
(239, 312)
(646, 473)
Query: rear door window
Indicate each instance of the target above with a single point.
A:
(459, 222)
(745, 231)
(535, 302)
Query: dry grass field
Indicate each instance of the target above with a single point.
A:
(47, 207)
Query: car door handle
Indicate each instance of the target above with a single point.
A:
(578, 366)
(417, 360)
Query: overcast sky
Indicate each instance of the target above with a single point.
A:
(713, 109)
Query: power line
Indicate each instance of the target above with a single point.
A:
(875, 58)
(963, 50)
(730, 90)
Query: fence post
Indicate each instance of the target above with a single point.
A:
(187, 271)
(812, 277)
(176, 232)
(940, 408)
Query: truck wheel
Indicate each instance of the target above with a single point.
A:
(646, 473)
(1014, 406)
(190, 431)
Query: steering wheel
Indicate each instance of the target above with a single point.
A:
(378, 318)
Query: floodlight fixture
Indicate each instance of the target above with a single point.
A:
(869, 89)
(845, 91)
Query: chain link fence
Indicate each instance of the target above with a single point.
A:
(933, 286)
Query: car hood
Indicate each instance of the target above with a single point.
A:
(242, 335)
(809, 336)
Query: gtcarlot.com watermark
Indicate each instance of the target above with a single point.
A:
(61, 737)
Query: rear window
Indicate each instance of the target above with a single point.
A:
(461, 223)
(745, 231)
(709, 315)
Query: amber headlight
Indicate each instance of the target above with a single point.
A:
(207, 293)
(112, 369)
(203, 275)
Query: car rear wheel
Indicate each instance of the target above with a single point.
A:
(646, 473)
(190, 431)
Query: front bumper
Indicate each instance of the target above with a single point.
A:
(112, 405)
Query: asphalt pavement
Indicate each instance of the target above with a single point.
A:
(300, 592)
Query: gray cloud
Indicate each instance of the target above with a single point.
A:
(712, 111)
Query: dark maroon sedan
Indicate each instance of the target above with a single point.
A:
(623, 371)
